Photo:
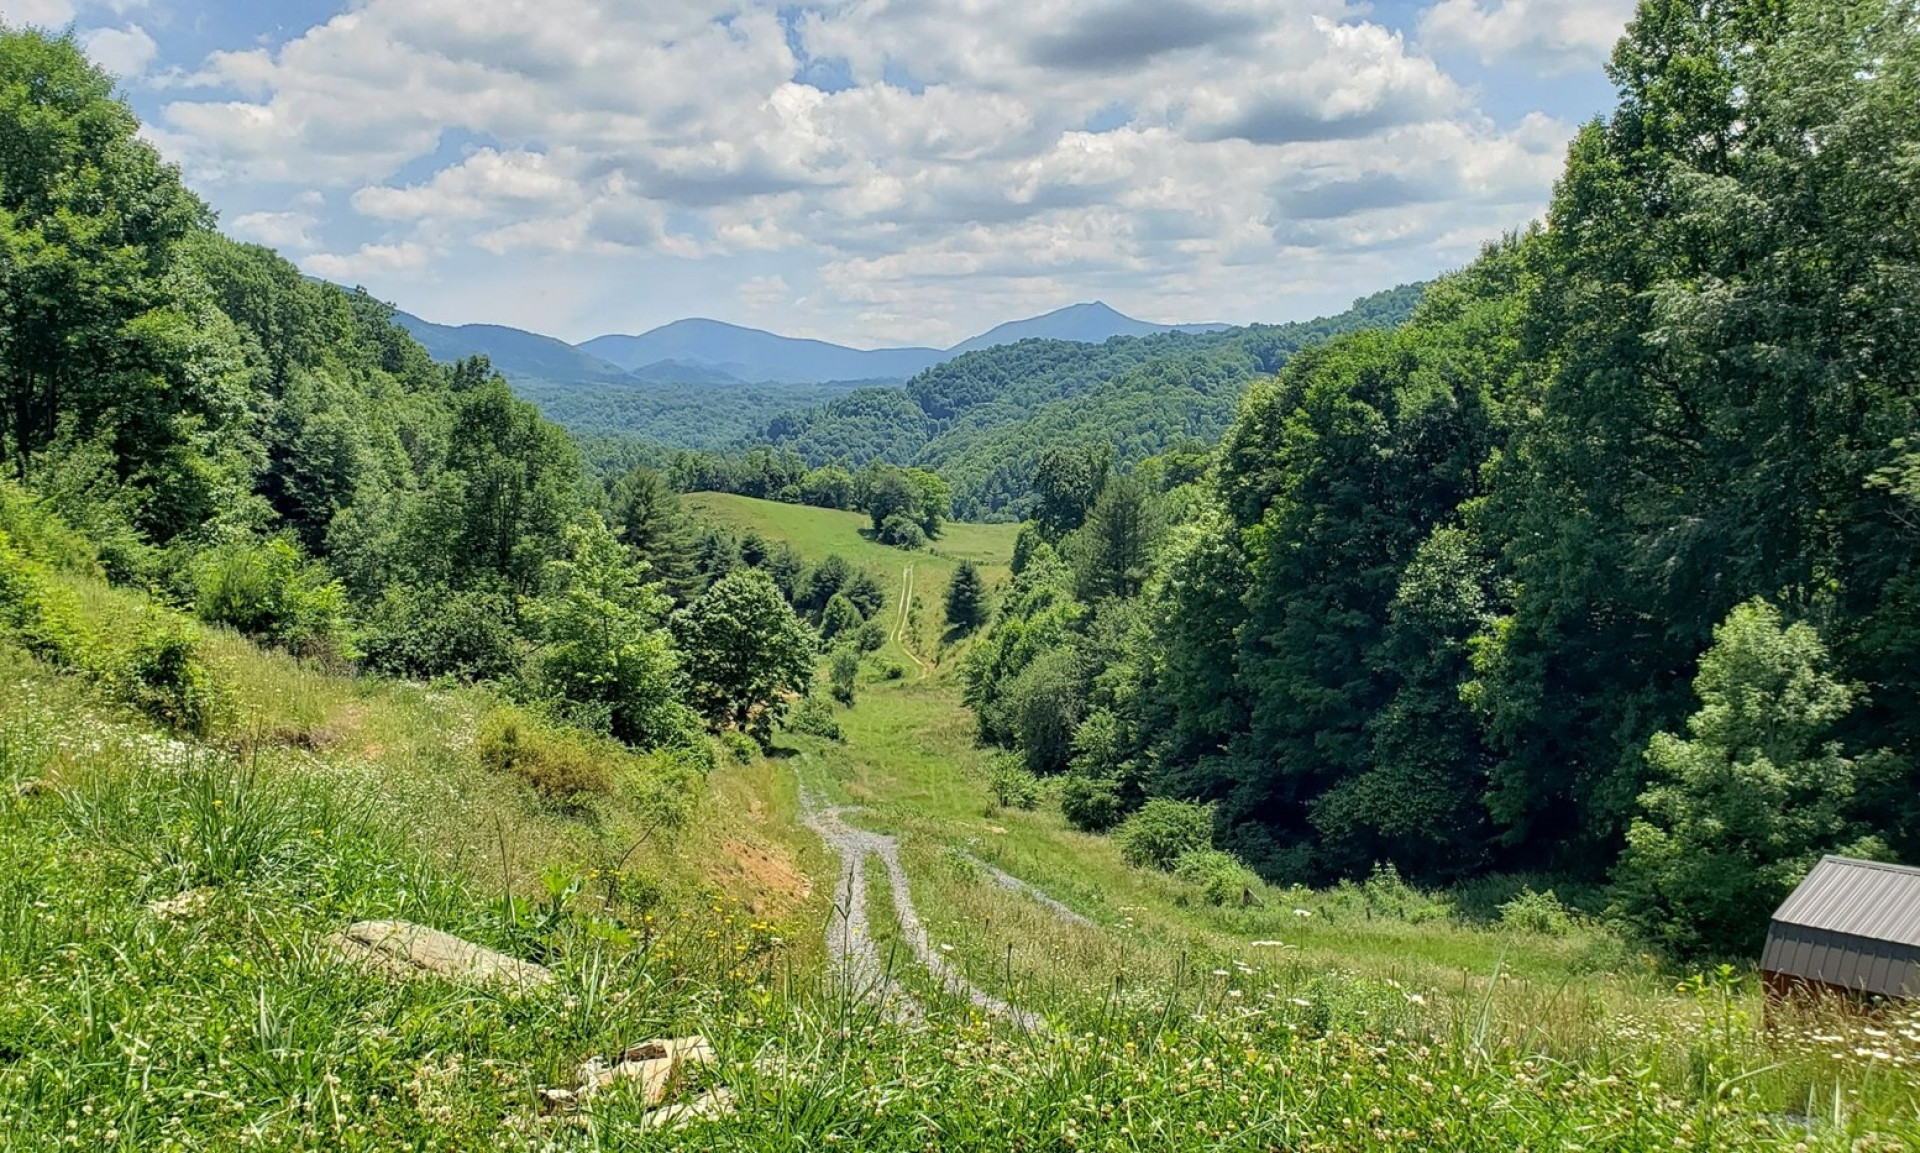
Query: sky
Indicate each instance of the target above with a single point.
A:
(873, 172)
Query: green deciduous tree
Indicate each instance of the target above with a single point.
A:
(1065, 485)
(1419, 801)
(840, 620)
(1043, 705)
(510, 489)
(746, 652)
(1040, 615)
(933, 501)
(607, 646)
(1271, 664)
(1725, 349)
(105, 328)
(843, 673)
(887, 493)
(1747, 801)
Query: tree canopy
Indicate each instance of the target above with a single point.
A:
(1600, 565)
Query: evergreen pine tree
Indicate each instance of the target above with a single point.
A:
(966, 599)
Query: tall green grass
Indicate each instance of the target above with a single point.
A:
(223, 1022)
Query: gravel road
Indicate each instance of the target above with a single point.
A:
(849, 937)
(1007, 880)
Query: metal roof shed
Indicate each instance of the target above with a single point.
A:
(1852, 925)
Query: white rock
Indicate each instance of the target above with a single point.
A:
(404, 949)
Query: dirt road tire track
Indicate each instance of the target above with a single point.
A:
(900, 635)
(849, 937)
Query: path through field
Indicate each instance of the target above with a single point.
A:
(901, 636)
(849, 938)
(1045, 900)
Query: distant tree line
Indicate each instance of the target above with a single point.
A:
(979, 421)
(908, 506)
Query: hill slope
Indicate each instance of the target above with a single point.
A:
(519, 355)
(816, 533)
(982, 419)
(693, 415)
(708, 384)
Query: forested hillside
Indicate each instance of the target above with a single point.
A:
(1604, 566)
(279, 456)
(658, 417)
(982, 419)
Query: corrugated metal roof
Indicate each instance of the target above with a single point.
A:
(1858, 898)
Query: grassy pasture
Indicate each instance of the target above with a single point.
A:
(817, 533)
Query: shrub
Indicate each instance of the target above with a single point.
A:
(559, 765)
(1012, 785)
(740, 746)
(1532, 912)
(43, 617)
(36, 530)
(814, 717)
(159, 671)
(892, 671)
(1221, 877)
(162, 674)
(437, 632)
(1602, 953)
(81, 483)
(901, 531)
(871, 637)
(1387, 893)
(694, 755)
(843, 674)
(271, 592)
(1162, 830)
(1090, 803)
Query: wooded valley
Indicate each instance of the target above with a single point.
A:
(1587, 574)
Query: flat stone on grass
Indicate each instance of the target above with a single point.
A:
(404, 949)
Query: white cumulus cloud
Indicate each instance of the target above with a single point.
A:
(124, 52)
(289, 230)
(38, 13)
(906, 169)
(368, 260)
(1548, 36)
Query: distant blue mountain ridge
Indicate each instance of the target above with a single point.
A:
(1094, 323)
(711, 352)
